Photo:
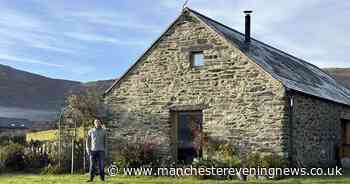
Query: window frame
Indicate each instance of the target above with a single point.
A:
(192, 59)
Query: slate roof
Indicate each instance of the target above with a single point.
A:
(15, 123)
(292, 72)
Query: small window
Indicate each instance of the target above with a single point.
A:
(197, 59)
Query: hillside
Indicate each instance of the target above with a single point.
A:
(28, 95)
(100, 85)
(26, 90)
(342, 75)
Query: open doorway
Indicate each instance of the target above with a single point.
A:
(345, 147)
(188, 135)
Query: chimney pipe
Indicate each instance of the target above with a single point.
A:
(247, 25)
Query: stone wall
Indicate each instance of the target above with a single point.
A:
(345, 113)
(316, 130)
(242, 103)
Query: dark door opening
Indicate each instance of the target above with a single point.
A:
(189, 135)
(345, 147)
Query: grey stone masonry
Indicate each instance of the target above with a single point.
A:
(316, 130)
(241, 103)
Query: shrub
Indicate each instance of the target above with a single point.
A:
(5, 140)
(273, 161)
(2, 165)
(65, 158)
(12, 156)
(222, 155)
(205, 163)
(135, 154)
(228, 156)
(36, 160)
(253, 160)
(267, 161)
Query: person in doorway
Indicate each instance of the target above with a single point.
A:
(95, 147)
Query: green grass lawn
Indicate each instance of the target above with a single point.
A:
(77, 179)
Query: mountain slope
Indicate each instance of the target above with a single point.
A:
(26, 90)
(342, 75)
(100, 85)
(28, 95)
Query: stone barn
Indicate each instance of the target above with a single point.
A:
(201, 77)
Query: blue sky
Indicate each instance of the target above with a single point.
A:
(95, 40)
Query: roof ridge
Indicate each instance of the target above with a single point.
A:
(265, 44)
(343, 91)
(313, 80)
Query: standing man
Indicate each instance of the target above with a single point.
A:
(95, 147)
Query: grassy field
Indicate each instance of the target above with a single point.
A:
(49, 135)
(79, 179)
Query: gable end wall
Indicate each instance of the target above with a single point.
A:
(242, 104)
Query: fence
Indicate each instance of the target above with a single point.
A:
(49, 150)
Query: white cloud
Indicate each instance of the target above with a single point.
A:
(101, 38)
(28, 60)
(114, 19)
(15, 19)
(52, 48)
(21, 31)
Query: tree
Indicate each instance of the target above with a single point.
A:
(88, 106)
(82, 110)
